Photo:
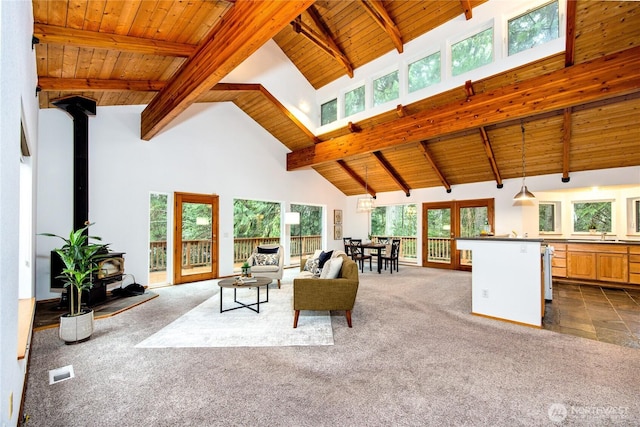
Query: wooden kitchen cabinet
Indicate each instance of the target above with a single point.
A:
(559, 260)
(598, 262)
(634, 265)
(581, 265)
(612, 267)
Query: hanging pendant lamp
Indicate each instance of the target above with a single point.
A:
(524, 193)
(365, 204)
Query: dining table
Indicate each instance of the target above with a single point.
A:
(378, 248)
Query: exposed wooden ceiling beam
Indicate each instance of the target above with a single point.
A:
(392, 173)
(245, 27)
(365, 185)
(468, 87)
(602, 78)
(566, 143)
(490, 156)
(376, 9)
(570, 43)
(427, 155)
(467, 8)
(48, 84)
(325, 42)
(50, 34)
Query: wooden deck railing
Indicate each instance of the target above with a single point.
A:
(198, 252)
(440, 251)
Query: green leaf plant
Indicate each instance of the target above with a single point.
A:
(80, 258)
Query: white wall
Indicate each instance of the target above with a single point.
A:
(18, 102)
(210, 148)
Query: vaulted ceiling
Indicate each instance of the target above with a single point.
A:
(579, 109)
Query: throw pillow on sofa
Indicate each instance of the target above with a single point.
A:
(324, 257)
(331, 269)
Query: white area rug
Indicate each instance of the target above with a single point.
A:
(205, 326)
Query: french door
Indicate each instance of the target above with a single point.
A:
(195, 255)
(442, 222)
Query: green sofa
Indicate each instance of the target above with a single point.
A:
(327, 294)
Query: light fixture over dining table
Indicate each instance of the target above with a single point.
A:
(365, 204)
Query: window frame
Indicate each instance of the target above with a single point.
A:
(633, 216)
(612, 202)
(490, 24)
(343, 97)
(557, 217)
(525, 11)
(337, 110)
(420, 57)
(380, 75)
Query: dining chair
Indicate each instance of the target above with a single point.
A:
(358, 255)
(347, 244)
(391, 255)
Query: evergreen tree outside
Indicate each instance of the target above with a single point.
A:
(396, 220)
(158, 217)
(310, 220)
(472, 52)
(255, 218)
(534, 28)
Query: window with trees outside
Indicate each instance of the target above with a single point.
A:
(397, 222)
(354, 101)
(307, 236)
(424, 72)
(254, 222)
(548, 217)
(329, 112)
(592, 215)
(534, 28)
(472, 52)
(386, 88)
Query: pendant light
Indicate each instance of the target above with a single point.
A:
(524, 193)
(365, 204)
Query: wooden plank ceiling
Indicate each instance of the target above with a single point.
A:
(579, 109)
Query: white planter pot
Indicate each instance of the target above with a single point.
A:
(75, 329)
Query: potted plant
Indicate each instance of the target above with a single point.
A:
(246, 269)
(593, 226)
(80, 258)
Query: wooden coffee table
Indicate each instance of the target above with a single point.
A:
(231, 283)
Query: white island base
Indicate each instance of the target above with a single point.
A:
(506, 279)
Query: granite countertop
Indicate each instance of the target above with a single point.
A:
(502, 239)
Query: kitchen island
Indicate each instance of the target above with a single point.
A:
(506, 280)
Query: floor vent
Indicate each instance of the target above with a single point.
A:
(60, 374)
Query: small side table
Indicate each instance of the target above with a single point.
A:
(231, 283)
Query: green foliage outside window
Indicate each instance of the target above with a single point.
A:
(398, 220)
(534, 28)
(354, 101)
(547, 217)
(439, 222)
(424, 72)
(192, 229)
(310, 220)
(329, 112)
(255, 218)
(472, 52)
(157, 217)
(592, 214)
(386, 88)
(473, 221)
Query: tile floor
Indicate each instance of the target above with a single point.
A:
(603, 314)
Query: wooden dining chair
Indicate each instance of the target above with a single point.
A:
(391, 256)
(347, 245)
(358, 255)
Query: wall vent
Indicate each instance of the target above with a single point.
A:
(61, 374)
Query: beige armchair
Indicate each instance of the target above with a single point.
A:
(266, 266)
(327, 294)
